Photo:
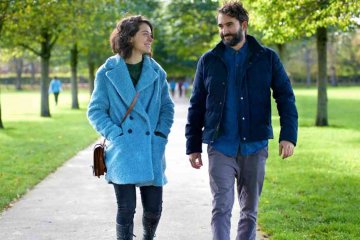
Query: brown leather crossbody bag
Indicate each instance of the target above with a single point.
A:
(99, 167)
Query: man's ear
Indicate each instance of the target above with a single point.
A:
(244, 25)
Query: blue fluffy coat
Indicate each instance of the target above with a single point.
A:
(134, 154)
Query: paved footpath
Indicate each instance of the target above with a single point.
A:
(71, 204)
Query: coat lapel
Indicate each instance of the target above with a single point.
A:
(120, 78)
(147, 76)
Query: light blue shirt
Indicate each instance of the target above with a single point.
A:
(55, 86)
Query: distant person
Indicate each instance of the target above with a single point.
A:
(172, 84)
(186, 87)
(230, 110)
(180, 87)
(135, 151)
(55, 88)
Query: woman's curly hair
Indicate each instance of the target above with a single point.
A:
(125, 29)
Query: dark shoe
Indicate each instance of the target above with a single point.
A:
(124, 232)
(150, 224)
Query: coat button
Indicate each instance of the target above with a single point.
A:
(130, 130)
(147, 133)
(131, 118)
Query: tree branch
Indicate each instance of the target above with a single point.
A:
(30, 48)
(54, 41)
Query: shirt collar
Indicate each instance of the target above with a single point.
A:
(242, 50)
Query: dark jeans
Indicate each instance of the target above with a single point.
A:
(56, 95)
(151, 198)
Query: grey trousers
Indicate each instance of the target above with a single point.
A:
(249, 173)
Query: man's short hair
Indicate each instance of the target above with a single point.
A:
(234, 9)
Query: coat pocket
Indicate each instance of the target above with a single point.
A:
(158, 154)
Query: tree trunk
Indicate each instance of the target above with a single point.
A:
(321, 116)
(332, 60)
(91, 65)
(32, 71)
(282, 55)
(19, 68)
(74, 87)
(354, 66)
(333, 78)
(2, 18)
(1, 123)
(307, 59)
(44, 84)
(281, 48)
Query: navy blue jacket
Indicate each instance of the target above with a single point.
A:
(264, 72)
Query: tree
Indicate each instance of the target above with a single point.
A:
(82, 35)
(18, 66)
(74, 29)
(189, 31)
(308, 61)
(332, 59)
(1, 123)
(271, 23)
(101, 18)
(4, 6)
(284, 20)
(350, 45)
(36, 25)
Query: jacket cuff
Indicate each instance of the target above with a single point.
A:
(193, 146)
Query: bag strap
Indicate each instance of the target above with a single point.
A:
(132, 105)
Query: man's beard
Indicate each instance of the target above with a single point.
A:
(236, 38)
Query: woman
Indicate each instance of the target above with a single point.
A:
(135, 148)
(55, 88)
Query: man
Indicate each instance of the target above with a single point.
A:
(230, 110)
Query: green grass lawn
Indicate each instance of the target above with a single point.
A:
(316, 193)
(30, 146)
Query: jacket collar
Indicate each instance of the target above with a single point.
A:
(255, 50)
(119, 76)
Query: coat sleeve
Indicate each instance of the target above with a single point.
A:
(98, 110)
(285, 101)
(166, 117)
(196, 112)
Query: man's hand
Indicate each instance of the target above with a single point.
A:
(286, 149)
(195, 160)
